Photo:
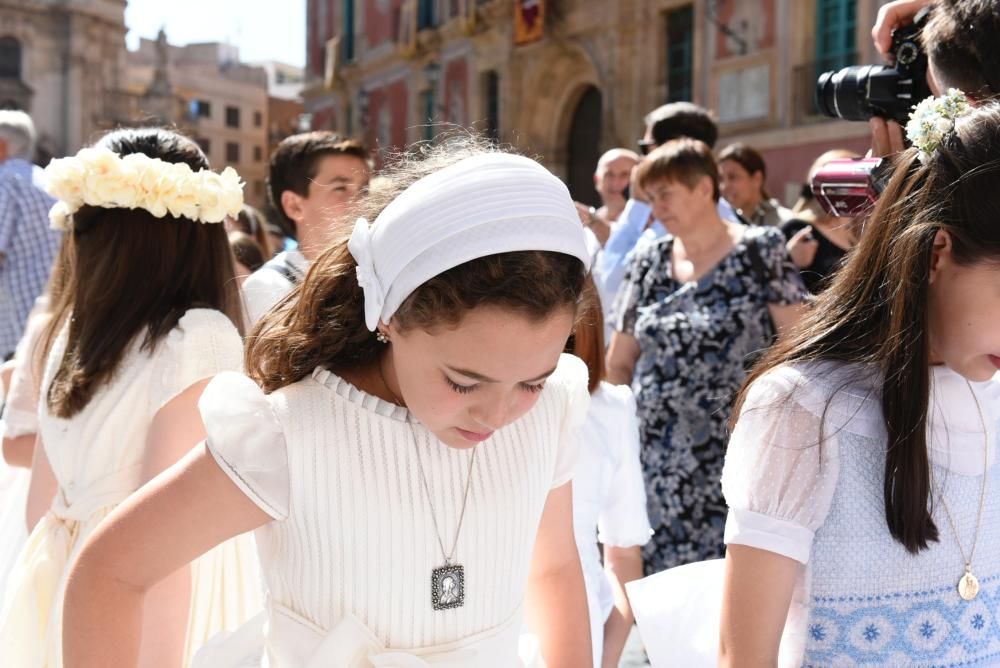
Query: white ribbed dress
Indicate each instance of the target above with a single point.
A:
(348, 559)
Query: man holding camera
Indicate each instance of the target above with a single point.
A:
(958, 56)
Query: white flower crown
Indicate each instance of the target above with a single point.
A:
(934, 119)
(99, 177)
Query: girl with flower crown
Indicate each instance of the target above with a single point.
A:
(861, 476)
(147, 315)
(402, 446)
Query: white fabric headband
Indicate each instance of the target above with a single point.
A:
(487, 204)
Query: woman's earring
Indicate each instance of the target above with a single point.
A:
(381, 337)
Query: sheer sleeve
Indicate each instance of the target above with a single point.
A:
(571, 380)
(624, 521)
(781, 468)
(204, 343)
(247, 441)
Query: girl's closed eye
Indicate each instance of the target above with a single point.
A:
(465, 389)
(461, 389)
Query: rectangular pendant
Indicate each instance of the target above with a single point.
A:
(448, 587)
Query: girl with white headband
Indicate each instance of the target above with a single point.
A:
(403, 445)
(146, 314)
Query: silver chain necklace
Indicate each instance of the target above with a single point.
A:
(448, 581)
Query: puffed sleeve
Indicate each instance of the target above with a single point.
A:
(570, 381)
(624, 521)
(781, 469)
(203, 344)
(246, 440)
(784, 282)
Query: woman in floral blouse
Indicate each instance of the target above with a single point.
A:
(696, 307)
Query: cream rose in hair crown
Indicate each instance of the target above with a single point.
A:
(99, 177)
(934, 119)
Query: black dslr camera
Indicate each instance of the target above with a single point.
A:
(859, 92)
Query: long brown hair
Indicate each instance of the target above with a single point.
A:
(322, 323)
(131, 274)
(875, 311)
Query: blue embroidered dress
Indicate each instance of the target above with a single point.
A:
(810, 488)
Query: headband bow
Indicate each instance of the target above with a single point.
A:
(483, 205)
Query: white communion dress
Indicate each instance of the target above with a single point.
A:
(97, 458)
(20, 418)
(609, 496)
(349, 556)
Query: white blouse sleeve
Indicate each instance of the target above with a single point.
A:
(20, 414)
(247, 441)
(781, 468)
(204, 343)
(571, 378)
(625, 522)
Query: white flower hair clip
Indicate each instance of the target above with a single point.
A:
(934, 119)
(99, 177)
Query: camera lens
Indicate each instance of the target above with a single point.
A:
(843, 93)
(907, 53)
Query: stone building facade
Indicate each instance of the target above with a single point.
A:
(62, 61)
(209, 95)
(380, 69)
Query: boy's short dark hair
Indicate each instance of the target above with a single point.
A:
(296, 161)
(682, 119)
(682, 160)
(961, 39)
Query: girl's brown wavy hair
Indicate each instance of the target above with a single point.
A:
(321, 323)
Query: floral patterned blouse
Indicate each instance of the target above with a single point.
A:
(696, 341)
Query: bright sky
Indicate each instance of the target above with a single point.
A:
(262, 29)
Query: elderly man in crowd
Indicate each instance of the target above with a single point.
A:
(27, 244)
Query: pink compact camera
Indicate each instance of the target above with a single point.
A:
(850, 187)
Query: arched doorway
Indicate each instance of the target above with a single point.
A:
(583, 147)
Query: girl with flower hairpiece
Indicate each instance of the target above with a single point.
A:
(402, 446)
(146, 316)
(861, 476)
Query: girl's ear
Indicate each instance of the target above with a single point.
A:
(940, 253)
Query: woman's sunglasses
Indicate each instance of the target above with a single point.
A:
(646, 145)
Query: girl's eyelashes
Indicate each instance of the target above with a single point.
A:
(461, 389)
(465, 389)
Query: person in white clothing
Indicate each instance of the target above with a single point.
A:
(403, 445)
(314, 179)
(609, 496)
(19, 421)
(861, 476)
(147, 315)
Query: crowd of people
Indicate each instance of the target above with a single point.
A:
(443, 415)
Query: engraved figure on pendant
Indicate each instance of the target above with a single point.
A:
(449, 590)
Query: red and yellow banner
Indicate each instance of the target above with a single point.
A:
(529, 21)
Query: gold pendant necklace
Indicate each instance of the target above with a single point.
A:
(968, 584)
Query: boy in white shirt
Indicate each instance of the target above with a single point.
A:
(313, 179)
